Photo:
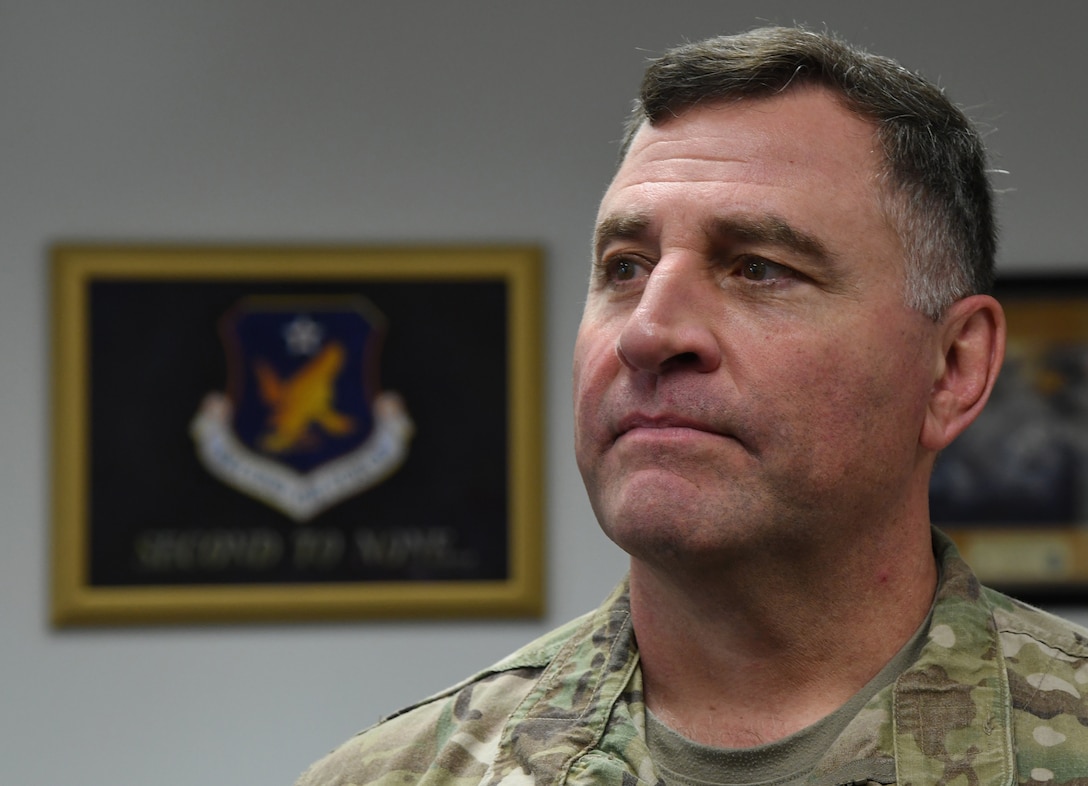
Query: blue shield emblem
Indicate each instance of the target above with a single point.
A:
(303, 424)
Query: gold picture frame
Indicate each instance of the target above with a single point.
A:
(267, 434)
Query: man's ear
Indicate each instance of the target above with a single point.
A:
(972, 349)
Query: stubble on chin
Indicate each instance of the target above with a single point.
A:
(669, 520)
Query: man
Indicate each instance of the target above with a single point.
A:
(786, 322)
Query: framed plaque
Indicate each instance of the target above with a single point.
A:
(295, 433)
(1012, 491)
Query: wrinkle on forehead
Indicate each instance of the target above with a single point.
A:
(804, 141)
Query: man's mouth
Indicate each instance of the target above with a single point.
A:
(661, 422)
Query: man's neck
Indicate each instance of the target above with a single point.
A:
(753, 653)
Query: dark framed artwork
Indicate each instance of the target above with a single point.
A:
(295, 433)
(1012, 491)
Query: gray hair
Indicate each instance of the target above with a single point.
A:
(937, 194)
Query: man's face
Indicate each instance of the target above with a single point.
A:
(746, 371)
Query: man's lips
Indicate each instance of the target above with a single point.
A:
(643, 422)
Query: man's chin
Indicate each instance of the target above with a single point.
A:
(661, 525)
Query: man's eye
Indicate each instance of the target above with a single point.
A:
(759, 269)
(622, 269)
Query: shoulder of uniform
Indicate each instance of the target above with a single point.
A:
(1046, 666)
(1018, 623)
(457, 728)
(467, 717)
(533, 657)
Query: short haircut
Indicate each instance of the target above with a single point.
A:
(935, 185)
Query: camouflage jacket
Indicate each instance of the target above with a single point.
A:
(996, 697)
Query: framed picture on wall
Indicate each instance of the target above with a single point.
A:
(1012, 491)
(295, 433)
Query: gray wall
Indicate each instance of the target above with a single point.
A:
(366, 122)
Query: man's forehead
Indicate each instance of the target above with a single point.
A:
(800, 114)
(805, 141)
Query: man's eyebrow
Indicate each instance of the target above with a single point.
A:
(622, 226)
(770, 230)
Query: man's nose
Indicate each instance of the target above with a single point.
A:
(672, 327)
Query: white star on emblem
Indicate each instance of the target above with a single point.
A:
(303, 336)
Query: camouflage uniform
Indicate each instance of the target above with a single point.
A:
(996, 697)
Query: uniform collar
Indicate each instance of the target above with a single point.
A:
(567, 711)
(946, 715)
(952, 708)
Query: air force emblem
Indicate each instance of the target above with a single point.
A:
(303, 425)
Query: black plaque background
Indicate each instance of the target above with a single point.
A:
(155, 352)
